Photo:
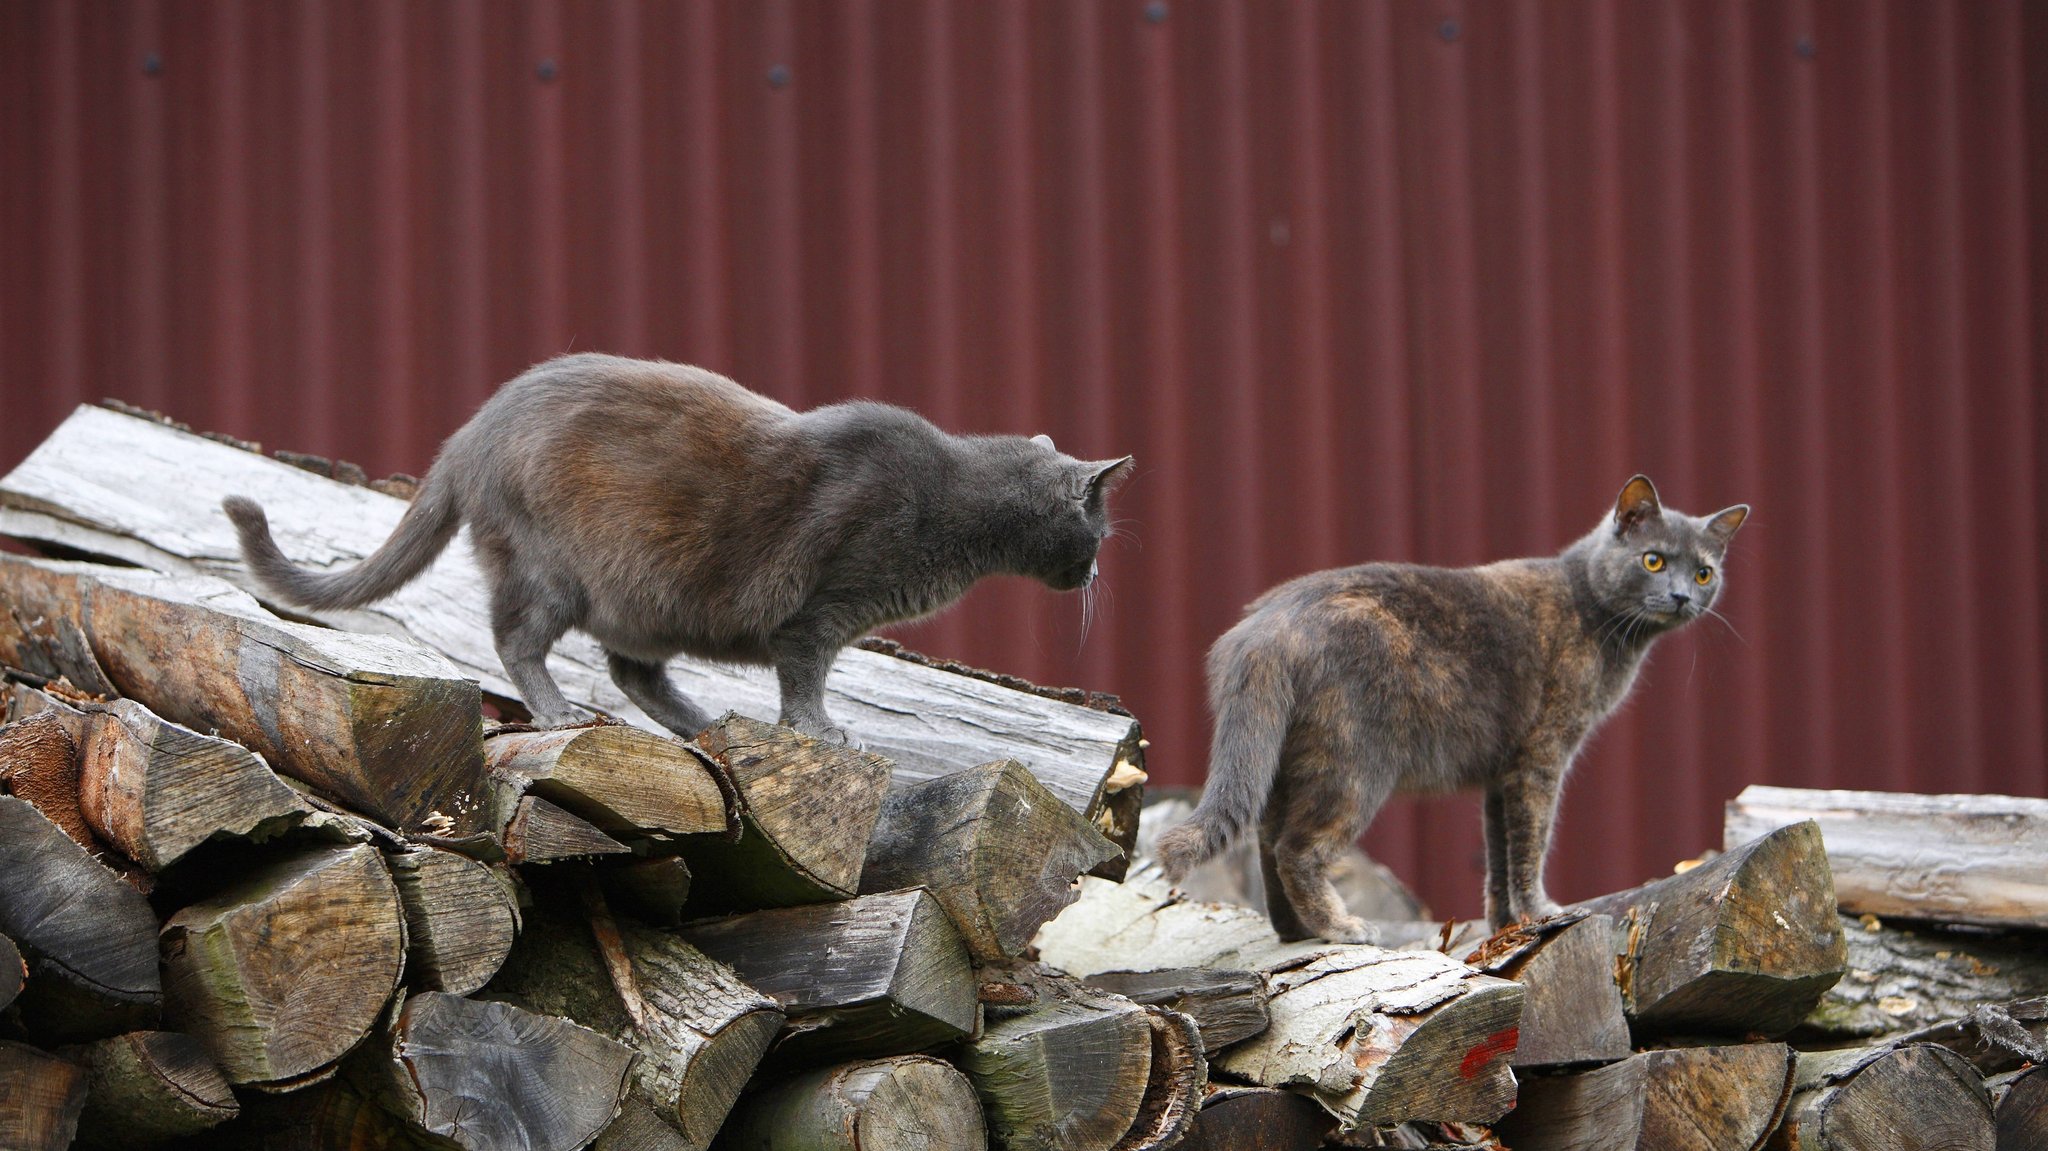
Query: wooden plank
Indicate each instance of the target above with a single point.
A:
(110, 484)
(1980, 859)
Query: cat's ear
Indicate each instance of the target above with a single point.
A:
(1043, 440)
(1637, 505)
(1105, 475)
(1722, 524)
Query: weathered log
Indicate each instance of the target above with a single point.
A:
(1378, 1036)
(156, 790)
(149, 1087)
(40, 1098)
(375, 723)
(39, 762)
(13, 971)
(1174, 1084)
(494, 1077)
(703, 1031)
(90, 939)
(1369, 889)
(807, 808)
(1747, 942)
(2021, 1102)
(1573, 1012)
(1979, 859)
(998, 851)
(1994, 1037)
(116, 485)
(333, 1115)
(878, 975)
(628, 783)
(1687, 1099)
(1239, 1118)
(1868, 1099)
(1227, 1006)
(1069, 1072)
(640, 1127)
(1905, 978)
(653, 891)
(540, 832)
(906, 1103)
(460, 918)
(285, 970)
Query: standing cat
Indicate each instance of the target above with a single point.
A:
(663, 508)
(1342, 687)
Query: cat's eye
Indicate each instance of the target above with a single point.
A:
(1653, 562)
(1704, 576)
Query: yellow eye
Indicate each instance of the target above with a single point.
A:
(1704, 576)
(1653, 562)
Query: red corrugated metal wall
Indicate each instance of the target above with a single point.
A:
(1353, 280)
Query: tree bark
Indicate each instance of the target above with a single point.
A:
(873, 976)
(494, 1077)
(284, 971)
(807, 808)
(1866, 1099)
(460, 918)
(374, 723)
(998, 851)
(90, 939)
(1686, 1099)
(1227, 1006)
(1746, 942)
(1174, 1084)
(1236, 1118)
(1994, 1037)
(156, 790)
(906, 1103)
(703, 1031)
(1903, 978)
(2021, 1098)
(131, 488)
(40, 1098)
(1379, 1037)
(149, 1087)
(630, 784)
(1980, 859)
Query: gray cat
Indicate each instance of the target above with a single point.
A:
(1340, 688)
(663, 508)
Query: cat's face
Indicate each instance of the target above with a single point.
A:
(1658, 567)
(1069, 513)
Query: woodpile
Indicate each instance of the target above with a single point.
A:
(312, 886)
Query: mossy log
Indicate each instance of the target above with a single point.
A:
(630, 784)
(285, 970)
(40, 1098)
(147, 1088)
(89, 938)
(906, 1103)
(1747, 942)
(460, 917)
(1685, 1099)
(999, 852)
(374, 723)
(1879, 1098)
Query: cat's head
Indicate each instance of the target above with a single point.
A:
(1066, 505)
(1659, 567)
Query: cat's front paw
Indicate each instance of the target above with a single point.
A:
(826, 730)
(1541, 907)
(1349, 929)
(566, 717)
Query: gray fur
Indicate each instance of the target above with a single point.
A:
(663, 508)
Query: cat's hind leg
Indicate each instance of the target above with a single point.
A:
(1328, 807)
(650, 689)
(1279, 908)
(527, 617)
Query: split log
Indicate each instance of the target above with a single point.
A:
(654, 891)
(494, 1077)
(90, 939)
(1069, 1072)
(1868, 1099)
(1238, 1118)
(701, 1032)
(2021, 1099)
(1378, 1036)
(878, 975)
(1906, 978)
(134, 489)
(998, 851)
(540, 832)
(39, 762)
(628, 783)
(156, 790)
(13, 971)
(1174, 1084)
(1980, 859)
(1687, 1099)
(40, 1098)
(807, 808)
(374, 723)
(285, 970)
(1572, 1013)
(460, 918)
(1227, 1006)
(149, 1087)
(640, 1128)
(333, 1115)
(908, 1103)
(1746, 942)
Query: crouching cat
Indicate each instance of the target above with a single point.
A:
(1342, 687)
(663, 508)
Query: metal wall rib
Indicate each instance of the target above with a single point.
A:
(1354, 281)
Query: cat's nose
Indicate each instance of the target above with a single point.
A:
(1679, 600)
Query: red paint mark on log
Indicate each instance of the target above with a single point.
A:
(1492, 1047)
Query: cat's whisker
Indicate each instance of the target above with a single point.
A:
(1726, 624)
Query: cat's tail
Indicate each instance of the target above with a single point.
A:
(422, 533)
(1252, 698)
